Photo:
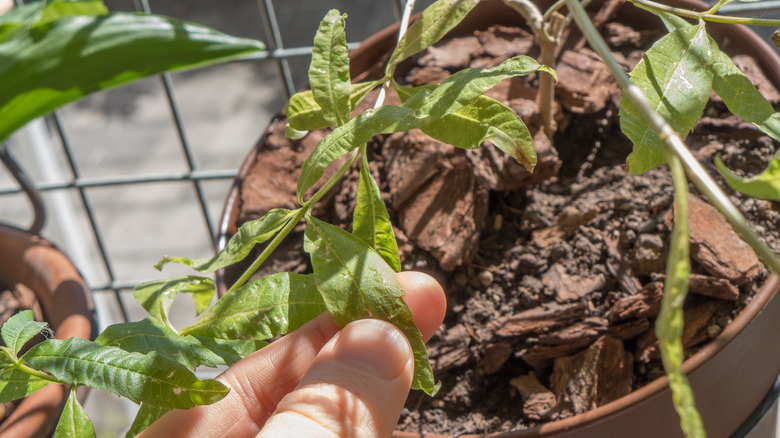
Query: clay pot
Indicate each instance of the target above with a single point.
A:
(730, 376)
(68, 308)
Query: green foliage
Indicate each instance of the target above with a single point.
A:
(146, 415)
(370, 222)
(74, 422)
(355, 282)
(157, 296)
(148, 378)
(434, 22)
(16, 383)
(675, 76)
(22, 17)
(19, 329)
(49, 63)
(305, 114)
(329, 70)
(240, 245)
(261, 309)
(670, 323)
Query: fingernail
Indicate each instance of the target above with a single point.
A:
(373, 346)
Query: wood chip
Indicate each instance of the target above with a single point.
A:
(539, 403)
(629, 330)
(716, 246)
(697, 321)
(712, 287)
(645, 304)
(565, 287)
(455, 53)
(541, 356)
(569, 220)
(584, 83)
(494, 357)
(540, 319)
(594, 377)
(619, 266)
(588, 329)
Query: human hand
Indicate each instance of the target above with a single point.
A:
(319, 381)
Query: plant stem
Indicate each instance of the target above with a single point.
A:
(697, 174)
(19, 364)
(706, 16)
(717, 7)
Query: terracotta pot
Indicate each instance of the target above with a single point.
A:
(730, 376)
(67, 305)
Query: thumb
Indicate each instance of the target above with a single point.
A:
(356, 386)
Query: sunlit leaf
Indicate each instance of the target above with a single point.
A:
(371, 221)
(22, 17)
(765, 185)
(146, 415)
(231, 350)
(19, 329)
(240, 245)
(329, 69)
(261, 309)
(304, 114)
(146, 378)
(156, 296)
(356, 283)
(431, 26)
(16, 384)
(151, 335)
(670, 323)
(74, 421)
(54, 63)
(676, 77)
(348, 137)
(421, 109)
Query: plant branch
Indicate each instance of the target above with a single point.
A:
(697, 174)
(706, 16)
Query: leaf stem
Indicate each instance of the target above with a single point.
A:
(706, 16)
(19, 364)
(696, 172)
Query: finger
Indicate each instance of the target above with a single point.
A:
(259, 381)
(356, 386)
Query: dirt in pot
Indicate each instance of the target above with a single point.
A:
(12, 301)
(554, 279)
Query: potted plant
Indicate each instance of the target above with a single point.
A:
(369, 255)
(55, 52)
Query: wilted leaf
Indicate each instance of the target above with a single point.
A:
(19, 329)
(356, 283)
(156, 296)
(55, 63)
(371, 221)
(146, 378)
(16, 384)
(150, 335)
(434, 22)
(74, 421)
(240, 245)
(146, 415)
(304, 114)
(261, 309)
(329, 69)
(676, 77)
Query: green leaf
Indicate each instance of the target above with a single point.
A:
(156, 296)
(54, 10)
(671, 22)
(349, 136)
(55, 63)
(261, 309)
(231, 350)
(146, 378)
(240, 245)
(463, 87)
(371, 222)
(22, 17)
(486, 119)
(670, 323)
(765, 185)
(304, 114)
(676, 76)
(146, 415)
(431, 26)
(19, 329)
(329, 69)
(16, 384)
(740, 95)
(151, 335)
(422, 108)
(356, 283)
(74, 421)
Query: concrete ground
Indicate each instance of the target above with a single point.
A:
(129, 131)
